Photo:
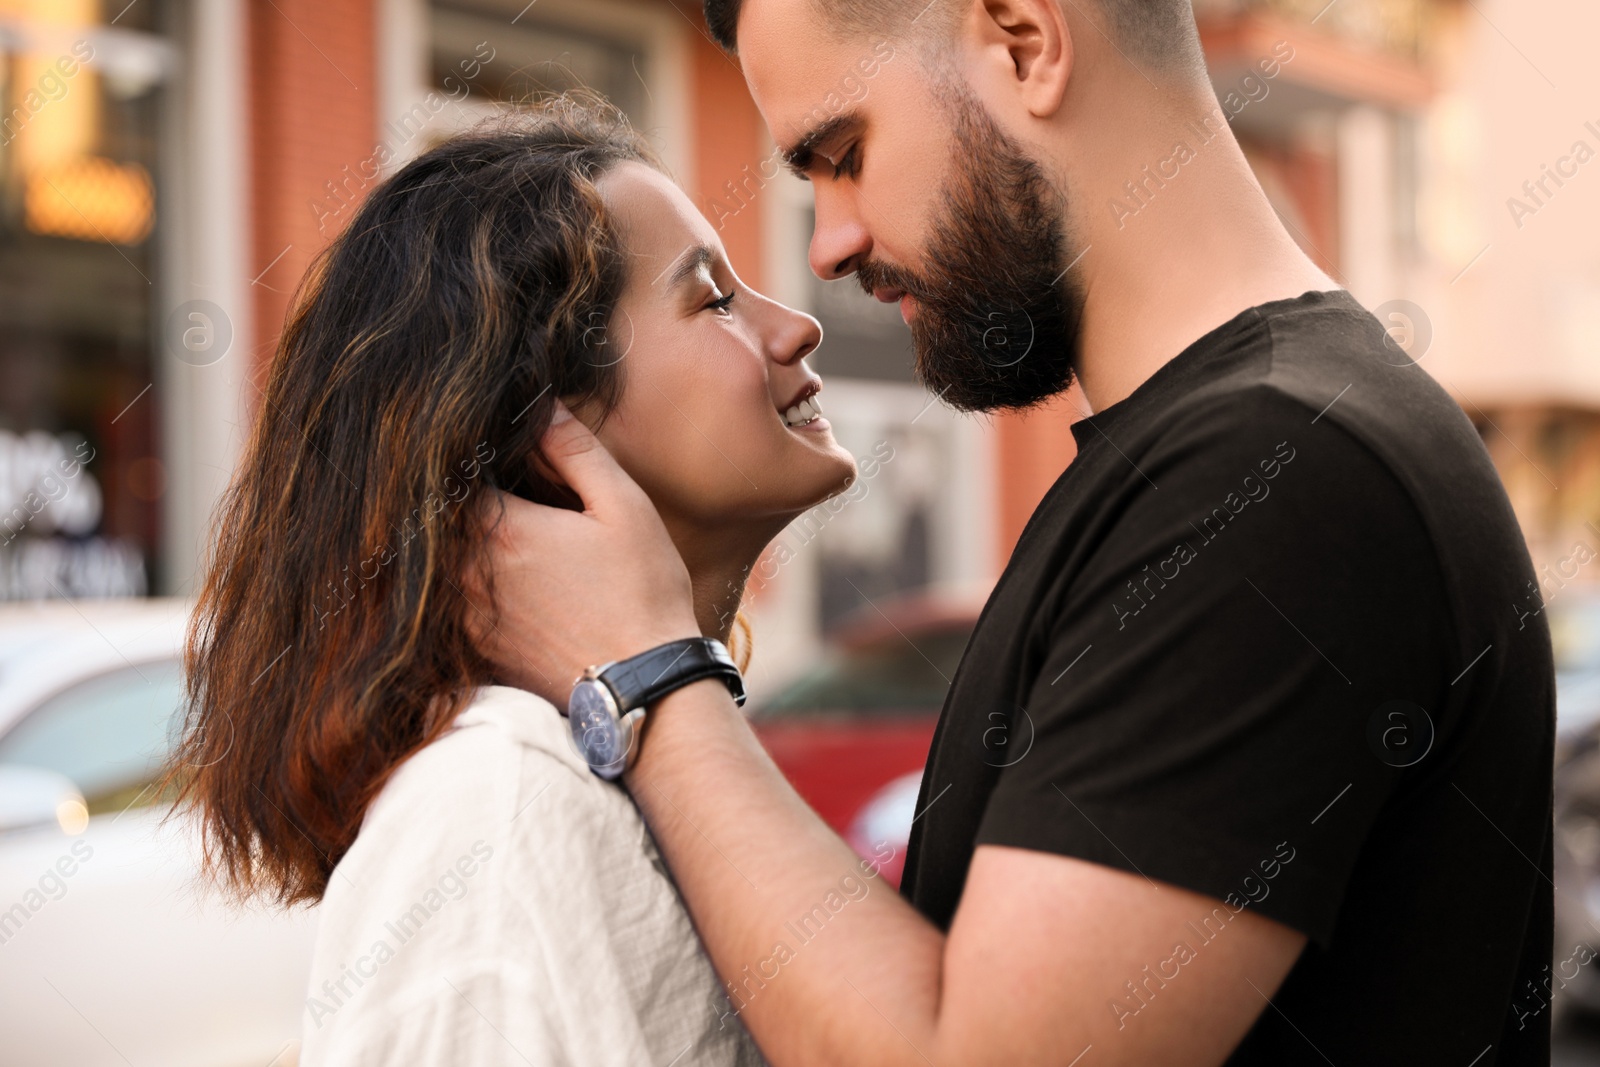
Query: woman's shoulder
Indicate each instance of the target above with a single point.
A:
(494, 866)
(499, 728)
(502, 719)
(506, 750)
(503, 780)
(499, 809)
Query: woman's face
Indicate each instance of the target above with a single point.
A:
(712, 373)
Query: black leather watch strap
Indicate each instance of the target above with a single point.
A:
(645, 678)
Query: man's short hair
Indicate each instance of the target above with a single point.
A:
(1159, 34)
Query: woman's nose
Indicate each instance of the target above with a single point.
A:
(795, 334)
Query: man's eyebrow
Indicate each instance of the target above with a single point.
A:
(688, 263)
(800, 158)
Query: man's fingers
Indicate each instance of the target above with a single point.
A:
(581, 461)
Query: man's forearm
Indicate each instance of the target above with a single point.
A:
(823, 960)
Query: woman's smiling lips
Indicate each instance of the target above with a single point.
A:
(804, 411)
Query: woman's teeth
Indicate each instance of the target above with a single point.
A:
(803, 412)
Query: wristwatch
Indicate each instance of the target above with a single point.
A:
(608, 701)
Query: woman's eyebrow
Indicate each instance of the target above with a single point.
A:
(688, 264)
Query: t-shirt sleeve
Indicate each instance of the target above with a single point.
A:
(1229, 685)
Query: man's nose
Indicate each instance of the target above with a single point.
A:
(840, 243)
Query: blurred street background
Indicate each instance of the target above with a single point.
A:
(168, 169)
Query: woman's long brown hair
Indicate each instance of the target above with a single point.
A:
(419, 366)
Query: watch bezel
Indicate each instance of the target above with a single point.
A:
(622, 726)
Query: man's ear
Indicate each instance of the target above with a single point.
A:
(1031, 42)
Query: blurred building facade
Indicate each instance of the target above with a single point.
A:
(81, 482)
(169, 167)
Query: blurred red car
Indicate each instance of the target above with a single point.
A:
(852, 733)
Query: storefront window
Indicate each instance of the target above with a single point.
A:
(81, 477)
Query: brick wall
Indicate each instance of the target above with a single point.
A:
(312, 112)
(729, 137)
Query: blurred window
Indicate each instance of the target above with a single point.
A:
(865, 337)
(82, 92)
(535, 56)
(895, 675)
(110, 734)
(1398, 27)
(1407, 185)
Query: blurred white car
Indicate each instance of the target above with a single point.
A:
(111, 951)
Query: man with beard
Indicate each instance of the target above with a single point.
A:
(1272, 778)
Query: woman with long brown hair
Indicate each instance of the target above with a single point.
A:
(485, 898)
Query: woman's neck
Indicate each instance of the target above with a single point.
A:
(717, 595)
(719, 565)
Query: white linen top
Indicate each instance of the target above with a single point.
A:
(502, 905)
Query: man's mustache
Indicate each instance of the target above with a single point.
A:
(872, 276)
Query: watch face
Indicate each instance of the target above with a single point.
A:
(602, 738)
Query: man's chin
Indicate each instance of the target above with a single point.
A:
(958, 390)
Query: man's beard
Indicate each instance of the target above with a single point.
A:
(996, 322)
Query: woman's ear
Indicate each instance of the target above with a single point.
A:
(532, 478)
(1031, 42)
(542, 485)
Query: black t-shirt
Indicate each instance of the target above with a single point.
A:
(1273, 637)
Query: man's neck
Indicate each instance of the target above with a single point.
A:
(1202, 246)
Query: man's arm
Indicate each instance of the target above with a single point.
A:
(1041, 947)
(1047, 955)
